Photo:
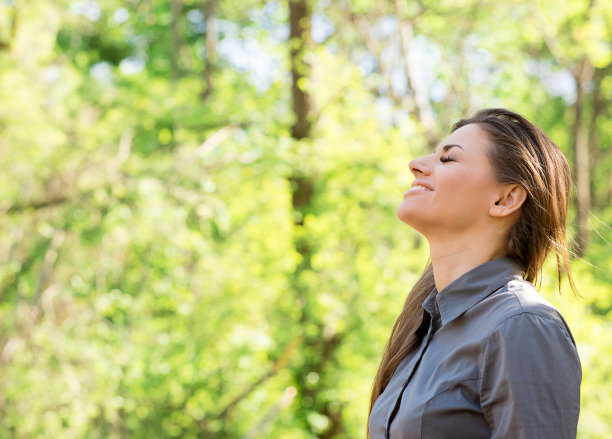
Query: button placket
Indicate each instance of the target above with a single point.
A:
(424, 343)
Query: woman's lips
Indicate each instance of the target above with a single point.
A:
(416, 189)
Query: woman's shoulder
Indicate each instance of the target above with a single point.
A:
(519, 303)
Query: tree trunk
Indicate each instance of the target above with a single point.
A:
(299, 36)
(599, 108)
(210, 63)
(323, 346)
(175, 39)
(583, 77)
(8, 44)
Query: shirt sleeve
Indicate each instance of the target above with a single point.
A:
(530, 382)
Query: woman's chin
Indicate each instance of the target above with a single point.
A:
(413, 218)
(405, 215)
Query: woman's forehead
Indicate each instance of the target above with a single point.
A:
(468, 138)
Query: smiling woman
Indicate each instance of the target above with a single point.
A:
(477, 352)
(462, 200)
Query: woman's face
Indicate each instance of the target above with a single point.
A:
(453, 188)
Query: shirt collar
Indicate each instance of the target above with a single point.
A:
(472, 287)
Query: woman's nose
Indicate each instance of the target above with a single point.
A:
(419, 166)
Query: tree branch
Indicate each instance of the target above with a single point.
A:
(271, 414)
(215, 140)
(35, 205)
(424, 111)
(278, 365)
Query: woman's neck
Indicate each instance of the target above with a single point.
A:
(452, 258)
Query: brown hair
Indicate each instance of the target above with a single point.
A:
(520, 153)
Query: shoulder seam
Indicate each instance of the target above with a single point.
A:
(523, 311)
(529, 313)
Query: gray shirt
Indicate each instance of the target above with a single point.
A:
(496, 361)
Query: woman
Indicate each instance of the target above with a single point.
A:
(476, 351)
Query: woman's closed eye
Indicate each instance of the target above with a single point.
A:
(446, 159)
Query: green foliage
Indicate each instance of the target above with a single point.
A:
(153, 278)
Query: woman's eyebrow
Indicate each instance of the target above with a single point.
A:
(449, 146)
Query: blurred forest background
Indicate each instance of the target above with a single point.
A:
(198, 235)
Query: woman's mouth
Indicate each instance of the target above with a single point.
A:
(417, 188)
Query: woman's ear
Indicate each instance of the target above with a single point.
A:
(508, 201)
